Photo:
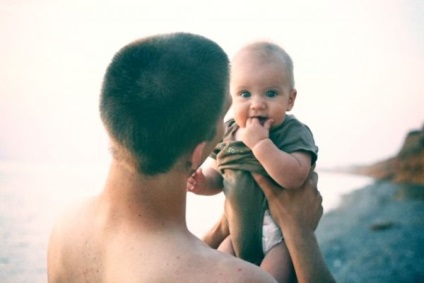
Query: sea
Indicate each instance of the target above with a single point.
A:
(33, 195)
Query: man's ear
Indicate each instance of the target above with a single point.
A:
(292, 98)
(197, 156)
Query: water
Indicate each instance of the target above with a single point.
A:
(31, 196)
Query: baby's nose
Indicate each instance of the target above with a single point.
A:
(258, 103)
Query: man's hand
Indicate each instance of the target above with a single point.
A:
(293, 209)
(254, 131)
(297, 212)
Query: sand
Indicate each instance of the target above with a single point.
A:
(376, 235)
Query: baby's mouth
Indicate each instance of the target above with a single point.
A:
(261, 119)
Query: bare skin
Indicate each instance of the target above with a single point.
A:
(135, 231)
(298, 225)
(286, 207)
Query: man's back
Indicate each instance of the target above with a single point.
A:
(90, 245)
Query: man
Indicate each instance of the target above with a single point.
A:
(162, 102)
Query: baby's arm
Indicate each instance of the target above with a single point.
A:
(206, 180)
(289, 170)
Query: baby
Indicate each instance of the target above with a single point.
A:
(260, 138)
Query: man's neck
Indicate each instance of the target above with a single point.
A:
(154, 201)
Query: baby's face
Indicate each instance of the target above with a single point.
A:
(260, 88)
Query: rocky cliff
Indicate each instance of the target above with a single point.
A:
(406, 167)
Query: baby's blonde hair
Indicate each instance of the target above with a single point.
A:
(268, 49)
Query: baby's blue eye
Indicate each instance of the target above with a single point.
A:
(245, 94)
(271, 93)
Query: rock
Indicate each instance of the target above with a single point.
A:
(406, 167)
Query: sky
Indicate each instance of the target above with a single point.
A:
(359, 68)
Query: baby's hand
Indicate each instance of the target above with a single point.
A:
(196, 182)
(255, 131)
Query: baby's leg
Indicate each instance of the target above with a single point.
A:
(227, 246)
(277, 262)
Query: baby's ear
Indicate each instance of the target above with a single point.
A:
(292, 98)
(197, 155)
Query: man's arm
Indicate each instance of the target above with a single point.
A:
(217, 234)
(298, 224)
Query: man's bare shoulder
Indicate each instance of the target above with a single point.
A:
(137, 255)
(66, 239)
(73, 216)
(207, 265)
(237, 270)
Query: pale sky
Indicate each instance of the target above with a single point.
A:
(359, 68)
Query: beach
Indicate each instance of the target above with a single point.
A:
(376, 235)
